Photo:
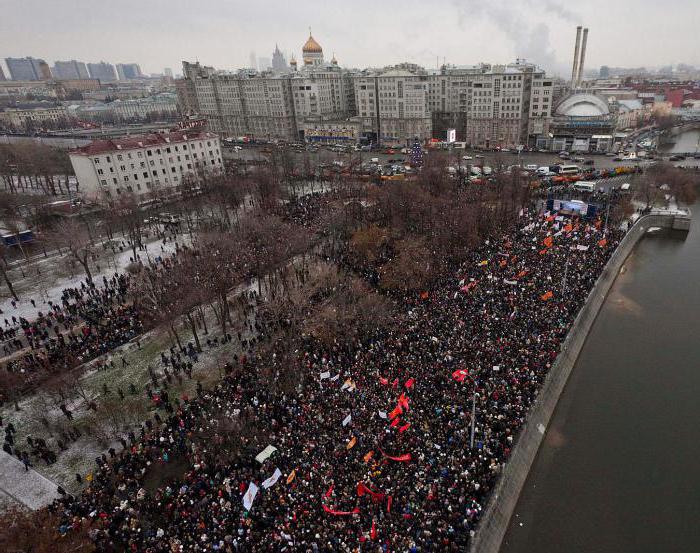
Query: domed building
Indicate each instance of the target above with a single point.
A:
(312, 53)
(582, 123)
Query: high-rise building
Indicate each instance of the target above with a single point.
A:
(126, 71)
(28, 69)
(70, 70)
(278, 62)
(103, 71)
(253, 61)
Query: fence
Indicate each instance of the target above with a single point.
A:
(495, 519)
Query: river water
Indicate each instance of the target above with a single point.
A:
(687, 142)
(619, 470)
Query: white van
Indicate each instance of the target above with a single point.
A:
(531, 167)
(486, 170)
(569, 169)
(584, 186)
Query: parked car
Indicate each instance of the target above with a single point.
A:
(531, 167)
(676, 157)
(467, 158)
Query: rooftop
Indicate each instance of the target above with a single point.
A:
(140, 141)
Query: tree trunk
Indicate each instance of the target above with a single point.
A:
(7, 280)
(193, 326)
(177, 336)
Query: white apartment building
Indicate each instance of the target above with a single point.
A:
(148, 166)
(393, 106)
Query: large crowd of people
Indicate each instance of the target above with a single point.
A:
(374, 448)
(89, 320)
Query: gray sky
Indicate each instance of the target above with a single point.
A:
(222, 33)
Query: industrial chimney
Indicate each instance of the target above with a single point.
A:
(574, 69)
(583, 57)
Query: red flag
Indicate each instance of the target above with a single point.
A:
(373, 532)
(548, 241)
(395, 383)
(355, 511)
(389, 501)
(602, 243)
(383, 381)
(544, 251)
(330, 491)
(403, 402)
(521, 274)
(404, 427)
(568, 228)
(396, 412)
(460, 374)
(395, 422)
(401, 458)
(410, 382)
(424, 295)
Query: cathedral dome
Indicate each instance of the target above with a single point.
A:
(312, 47)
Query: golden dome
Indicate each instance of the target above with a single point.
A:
(312, 47)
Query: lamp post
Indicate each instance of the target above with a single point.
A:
(476, 394)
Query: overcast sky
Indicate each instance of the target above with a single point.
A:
(222, 33)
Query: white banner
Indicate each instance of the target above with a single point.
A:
(325, 375)
(265, 453)
(272, 480)
(249, 496)
(347, 420)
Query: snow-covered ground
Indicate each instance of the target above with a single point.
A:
(46, 279)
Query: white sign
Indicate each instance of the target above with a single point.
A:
(347, 420)
(249, 496)
(451, 136)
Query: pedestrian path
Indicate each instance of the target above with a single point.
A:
(30, 489)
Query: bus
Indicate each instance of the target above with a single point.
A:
(569, 170)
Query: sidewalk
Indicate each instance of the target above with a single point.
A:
(30, 489)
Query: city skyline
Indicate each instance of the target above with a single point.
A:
(461, 32)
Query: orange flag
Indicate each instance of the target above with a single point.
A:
(351, 443)
(602, 243)
(424, 295)
(548, 241)
(292, 476)
(544, 251)
(568, 228)
(547, 296)
(368, 456)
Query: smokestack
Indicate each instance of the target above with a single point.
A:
(583, 57)
(574, 69)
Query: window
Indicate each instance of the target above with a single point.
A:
(114, 180)
(140, 154)
(126, 178)
(145, 174)
(109, 159)
(172, 170)
(100, 171)
(119, 157)
(103, 182)
(136, 177)
(96, 160)
(149, 153)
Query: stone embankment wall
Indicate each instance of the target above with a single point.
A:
(494, 522)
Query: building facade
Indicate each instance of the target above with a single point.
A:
(33, 117)
(268, 104)
(70, 70)
(278, 62)
(103, 71)
(28, 69)
(147, 166)
(492, 105)
(393, 105)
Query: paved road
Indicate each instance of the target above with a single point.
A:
(30, 489)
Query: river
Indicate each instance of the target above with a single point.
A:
(619, 470)
(686, 142)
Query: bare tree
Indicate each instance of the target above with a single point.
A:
(75, 238)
